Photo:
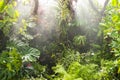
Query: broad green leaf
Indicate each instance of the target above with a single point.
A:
(9, 66)
(16, 14)
(119, 70)
(78, 79)
(114, 2)
(59, 69)
(10, 11)
(2, 5)
(103, 24)
(115, 18)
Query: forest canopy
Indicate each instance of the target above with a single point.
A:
(60, 39)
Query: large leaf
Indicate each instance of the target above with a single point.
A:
(114, 2)
(2, 5)
(28, 53)
(10, 11)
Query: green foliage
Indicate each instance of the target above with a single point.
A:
(109, 70)
(111, 27)
(106, 70)
(62, 17)
(65, 18)
(115, 43)
(2, 5)
(10, 64)
(69, 56)
(64, 9)
(76, 71)
(79, 40)
(115, 2)
(8, 15)
(19, 61)
(32, 71)
(23, 31)
(38, 69)
(26, 67)
(28, 53)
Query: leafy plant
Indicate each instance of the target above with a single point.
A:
(76, 71)
(28, 53)
(18, 62)
(8, 15)
(69, 56)
(10, 64)
(110, 25)
(79, 40)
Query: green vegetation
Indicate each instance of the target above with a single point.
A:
(73, 55)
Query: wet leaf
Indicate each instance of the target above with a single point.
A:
(2, 5)
(114, 2)
(10, 11)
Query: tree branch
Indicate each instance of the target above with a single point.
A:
(103, 9)
(93, 6)
(36, 7)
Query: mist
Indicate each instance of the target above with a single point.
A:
(46, 22)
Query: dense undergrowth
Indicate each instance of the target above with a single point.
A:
(72, 56)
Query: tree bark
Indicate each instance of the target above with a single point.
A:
(36, 7)
(101, 13)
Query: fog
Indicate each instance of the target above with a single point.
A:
(46, 19)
